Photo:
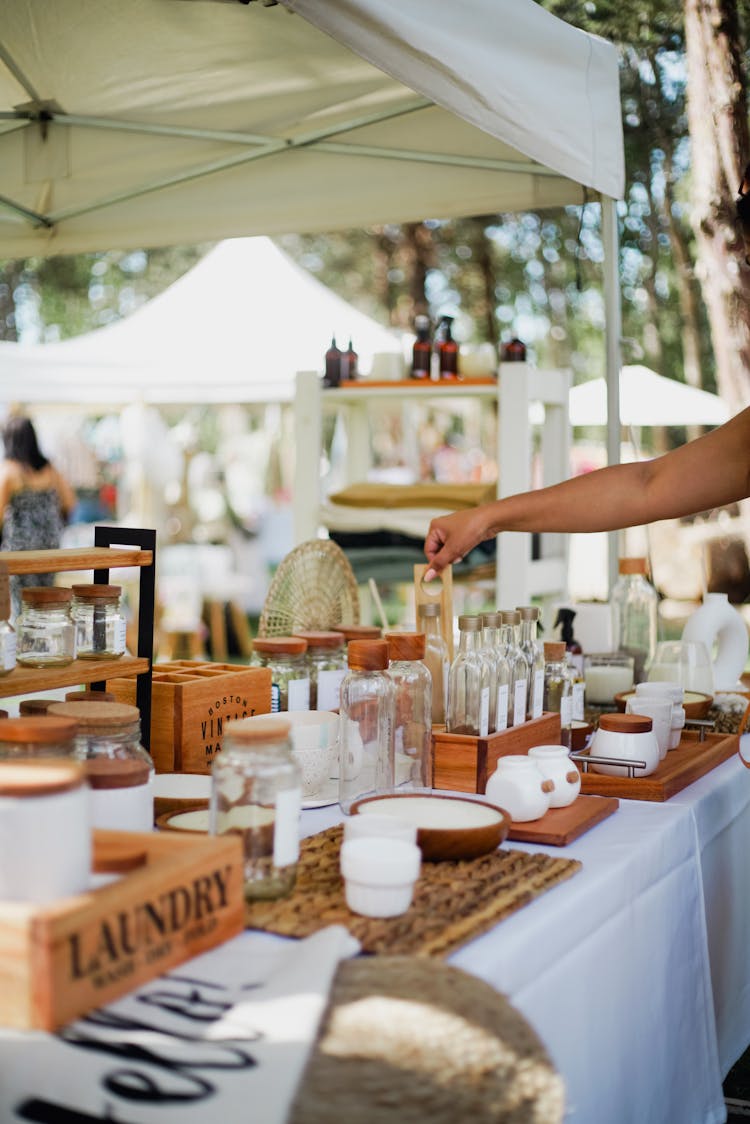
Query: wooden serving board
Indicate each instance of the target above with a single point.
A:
(560, 826)
(692, 759)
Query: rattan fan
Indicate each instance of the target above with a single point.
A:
(313, 588)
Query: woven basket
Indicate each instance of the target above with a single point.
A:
(313, 588)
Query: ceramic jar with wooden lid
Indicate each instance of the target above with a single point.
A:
(99, 622)
(413, 716)
(368, 710)
(37, 736)
(45, 830)
(625, 737)
(118, 768)
(45, 635)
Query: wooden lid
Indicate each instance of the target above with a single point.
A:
(528, 612)
(46, 595)
(97, 715)
(626, 723)
(510, 616)
(280, 645)
(368, 655)
(322, 639)
(27, 707)
(90, 696)
(554, 650)
(632, 566)
(39, 730)
(97, 592)
(467, 623)
(491, 620)
(23, 777)
(116, 772)
(267, 729)
(431, 609)
(405, 645)
(359, 631)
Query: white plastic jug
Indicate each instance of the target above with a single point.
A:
(718, 623)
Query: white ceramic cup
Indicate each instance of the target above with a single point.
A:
(379, 827)
(519, 788)
(379, 875)
(669, 690)
(659, 710)
(553, 762)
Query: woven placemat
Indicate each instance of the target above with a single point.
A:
(453, 901)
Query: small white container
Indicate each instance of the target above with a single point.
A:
(626, 737)
(553, 762)
(667, 690)
(379, 827)
(379, 875)
(659, 710)
(518, 786)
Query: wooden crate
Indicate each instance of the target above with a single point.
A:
(183, 895)
(190, 703)
(464, 763)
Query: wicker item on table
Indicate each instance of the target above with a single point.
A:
(313, 588)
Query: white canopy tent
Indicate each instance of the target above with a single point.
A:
(647, 399)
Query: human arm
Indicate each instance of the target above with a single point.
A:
(709, 472)
(65, 493)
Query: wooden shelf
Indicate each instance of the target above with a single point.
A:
(77, 558)
(29, 680)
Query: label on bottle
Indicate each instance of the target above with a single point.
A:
(579, 690)
(566, 711)
(484, 712)
(329, 688)
(298, 694)
(538, 695)
(9, 650)
(286, 827)
(275, 698)
(501, 721)
(119, 634)
(519, 701)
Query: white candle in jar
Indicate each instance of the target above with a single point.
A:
(604, 681)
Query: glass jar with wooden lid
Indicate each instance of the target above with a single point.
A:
(7, 631)
(99, 622)
(326, 662)
(290, 676)
(368, 710)
(45, 635)
(36, 736)
(119, 770)
(359, 631)
(413, 711)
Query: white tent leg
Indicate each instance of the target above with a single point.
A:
(613, 333)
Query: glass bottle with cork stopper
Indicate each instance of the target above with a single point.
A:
(635, 614)
(326, 663)
(469, 682)
(368, 711)
(290, 678)
(421, 355)
(499, 671)
(256, 793)
(436, 658)
(413, 721)
(519, 668)
(534, 657)
(7, 632)
(99, 622)
(558, 696)
(45, 634)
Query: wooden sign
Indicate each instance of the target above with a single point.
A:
(441, 591)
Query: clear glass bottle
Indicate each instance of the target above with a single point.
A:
(99, 622)
(256, 793)
(469, 682)
(326, 665)
(436, 658)
(494, 653)
(577, 687)
(38, 736)
(119, 770)
(7, 632)
(290, 683)
(558, 694)
(532, 650)
(45, 634)
(519, 668)
(635, 604)
(412, 729)
(368, 713)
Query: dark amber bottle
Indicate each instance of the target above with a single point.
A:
(514, 351)
(333, 365)
(447, 351)
(349, 363)
(422, 351)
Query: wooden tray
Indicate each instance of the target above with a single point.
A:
(462, 763)
(560, 826)
(453, 901)
(692, 759)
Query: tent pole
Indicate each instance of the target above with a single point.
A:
(612, 334)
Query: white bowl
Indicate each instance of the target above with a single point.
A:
(379, 875)
(379, 827)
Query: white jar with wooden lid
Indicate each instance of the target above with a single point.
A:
(45, 830)
(119, 770)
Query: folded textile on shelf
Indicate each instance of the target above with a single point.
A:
(445, 497)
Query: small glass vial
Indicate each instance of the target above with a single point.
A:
(558, 694)
(469, 683)
(494, 653)
(45, 634)
(290, 677)
(256, 793)
(532, 650)
(436, 658)
(119, 770)
(519, 668)
(326, 665)
(38, 736)
(413, 721)
(368, 712)
(7, 632)
(99, 622)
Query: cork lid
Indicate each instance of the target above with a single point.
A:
(431, 609)
(39, 730)
(254, 730)
(28, 707)
(468, 623)
(23, 777)
(491, 620)
(97, 715)
(368, 655)
(90, 696)
(528, 612)
(554, 650)
(405, 645)
(116, 772)
(46, 596)
(97, 592)
(280, 645)
(633, 566)
(322, 639)
(359, 631)
(510, 616)
(626, 723)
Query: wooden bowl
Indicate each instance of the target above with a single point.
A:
(579, 733)
(448, 827)
(696, 704)
(192, 819)
(180, 792)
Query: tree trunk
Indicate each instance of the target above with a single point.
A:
(717, 119)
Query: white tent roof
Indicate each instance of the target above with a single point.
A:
(646, 399)
(235, 328)
(159, 121)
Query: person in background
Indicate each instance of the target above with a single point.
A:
(710, 472)
(35, 500)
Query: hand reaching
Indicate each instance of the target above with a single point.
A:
(451, 537)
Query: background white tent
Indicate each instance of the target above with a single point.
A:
(234, 328)
(647, 399)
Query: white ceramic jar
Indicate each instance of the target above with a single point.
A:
(553, 762)
(379, 875)
(675, 692)
(625, 737)
(519, 788)
(659, 710)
